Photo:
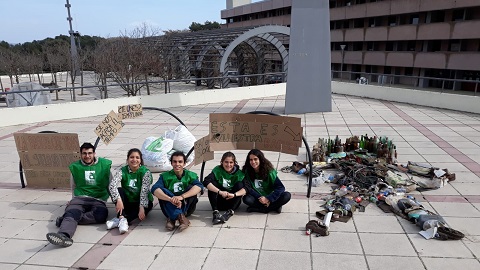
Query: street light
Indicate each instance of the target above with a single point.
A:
(342, 46)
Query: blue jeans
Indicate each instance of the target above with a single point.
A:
(171, 211)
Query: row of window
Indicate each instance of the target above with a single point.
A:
(437, 16)
(452, 45)
(261, 15)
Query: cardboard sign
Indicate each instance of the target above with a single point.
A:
(130, 111)
(202, 150)
(247, 131)
(109, 128)
(45, 157)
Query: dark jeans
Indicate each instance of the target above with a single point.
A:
(256, 206)
(131, 209)
(219, 203)
(82, 210)
(171, 211)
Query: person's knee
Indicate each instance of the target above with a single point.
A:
(76, 214)
(248, 199)
(100, 214)
(286, 196)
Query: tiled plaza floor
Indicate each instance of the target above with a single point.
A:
(371, 240)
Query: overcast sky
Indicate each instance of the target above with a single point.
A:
(28, 20)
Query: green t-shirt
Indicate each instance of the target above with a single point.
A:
(264, 186)
(132, 183)
(178, 186)
(226, 179)
(93, 180)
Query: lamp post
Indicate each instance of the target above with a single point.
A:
(73, 51)
(342, 46)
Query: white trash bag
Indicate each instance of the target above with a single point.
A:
(155, 153)
(183, 140)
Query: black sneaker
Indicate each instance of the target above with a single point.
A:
(58, 222)
(217, 218)
(228, 214)
(59, 239)
(279, 210)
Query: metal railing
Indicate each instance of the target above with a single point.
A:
(414, 82)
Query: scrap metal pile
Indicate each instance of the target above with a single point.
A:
(368, 173)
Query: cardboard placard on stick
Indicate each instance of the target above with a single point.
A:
(246, 131)
(108, 129)
(130, 111)
(45, 157)
(202, 150)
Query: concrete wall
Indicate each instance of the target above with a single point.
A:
(62, 111)
(70, 110)
(418, 97)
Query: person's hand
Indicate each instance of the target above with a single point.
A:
(141, 213)
(263, 200)
(119, 206)
(224, 194)
(177, 201)
(229, 196)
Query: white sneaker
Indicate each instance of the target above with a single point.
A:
(123, 226)
(113, 223)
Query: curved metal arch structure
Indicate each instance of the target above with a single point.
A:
(213, 53)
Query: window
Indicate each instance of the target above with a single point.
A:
(414, 19)
(458, 15)
(389, 46)
(392, 20)
(409, 71)
(371, 46)
(437, 16)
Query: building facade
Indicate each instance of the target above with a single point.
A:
(410, 38)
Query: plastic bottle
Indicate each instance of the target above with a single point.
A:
(302, 171)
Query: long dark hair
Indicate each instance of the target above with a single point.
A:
(133, 150)
(264, 168)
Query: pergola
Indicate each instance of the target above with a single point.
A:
(213, 53)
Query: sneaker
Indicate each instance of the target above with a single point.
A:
(113, 223)
(228, 214)
(58, 222)
(217, 218)
(59, 239)
(170, 225)
(123, 225)
(279, 210)
(184, 222)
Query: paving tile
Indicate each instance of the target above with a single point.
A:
(231, 259)
(466, 177)
(386, 244)
(378, 224)
(451, 263)
(437, 248)
(5, 191)
(23, 195)
(143, 257)
(11, 227)
(239, 238)
(194, 237)
(400, 263)
(54, 197)
(331, 244)
(468, 226)
(56, 256)
(338, 261)
(466, 188)
(34, 211)
(473, 244)
(448, 209)
(445, 190)
(146, 236)
(38, 230)
(289, 221)
(247, 220)
(286, 240)
(284, 260)
(296, 206)
(7, 207)
(18, 251)
(9, 266)
(173, 257)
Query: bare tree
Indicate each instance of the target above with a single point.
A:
(58, 58)
(11, 64)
